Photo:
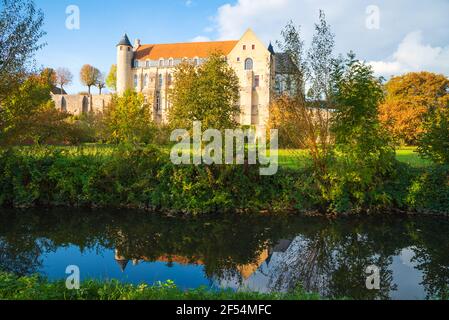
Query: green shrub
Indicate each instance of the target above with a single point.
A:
(429, 190)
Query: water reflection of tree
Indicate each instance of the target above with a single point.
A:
(332, 267)
(325, 256)
(431, 251)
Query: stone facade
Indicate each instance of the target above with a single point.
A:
(149, 69)
(78, 104)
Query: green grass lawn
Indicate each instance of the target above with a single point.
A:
(291, 158)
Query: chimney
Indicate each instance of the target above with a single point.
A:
(136, 44)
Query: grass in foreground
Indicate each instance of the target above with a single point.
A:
(297, 159)
(36, 288)
(289, 158)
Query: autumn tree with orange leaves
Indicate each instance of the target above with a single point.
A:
(408, 99)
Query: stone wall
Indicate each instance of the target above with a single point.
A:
(79, 104)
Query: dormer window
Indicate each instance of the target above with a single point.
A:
(161, 62)
(147, 64)
(170, 62)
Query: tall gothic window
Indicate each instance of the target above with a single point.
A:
(249, 64)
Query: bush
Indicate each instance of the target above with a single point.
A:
(132, 177)
(429, 190)
(434, 142)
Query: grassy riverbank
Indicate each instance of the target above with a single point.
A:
(145, 178)
(36, 288)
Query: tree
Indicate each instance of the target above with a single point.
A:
(111, 79)
(303, 113)
(433, 143)
(207, 93)
(100, 82)
(20, 33)
(89, 76)
(63, 77)
(21, 106)
(408, 99)
(128, 119)
(365, 153)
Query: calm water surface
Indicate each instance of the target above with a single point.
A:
(238, 252)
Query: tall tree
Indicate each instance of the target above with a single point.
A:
(63, 77)
(89, 76)
(303, 114)
(128, 119)
(111, 79)
(207, 93)
(101, 84)
(408, 99)
(22, 105)
(20, 33)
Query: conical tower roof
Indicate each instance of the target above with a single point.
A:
(125, 41)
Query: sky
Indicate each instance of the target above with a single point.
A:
(394, 36)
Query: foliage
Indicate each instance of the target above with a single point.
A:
(408, 99)
(303, 116)
(89, 76)
(38, 288)
(139, 178)
(207, 93)
(111, 79)
(63, 77)
(365, 157)
(20, 33)
(20, 108)
(429, 190)
(128, 119)
(434, 142)
(145, 178)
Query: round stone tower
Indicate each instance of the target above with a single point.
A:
(125, 56)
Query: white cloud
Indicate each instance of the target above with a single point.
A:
(348, 19)
(200, 39)
(413, 54)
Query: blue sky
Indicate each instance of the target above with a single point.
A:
(410, 34)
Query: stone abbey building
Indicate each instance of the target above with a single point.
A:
(149, 68)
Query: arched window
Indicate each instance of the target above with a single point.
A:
(169, 79)
(170, 62)
(161, 62)
(145, 81)
(136, 81)
(136, 63)
(161, 79)
(249, 64)
(196, 61)
(148, 64)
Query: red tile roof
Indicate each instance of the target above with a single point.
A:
(183, 50)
